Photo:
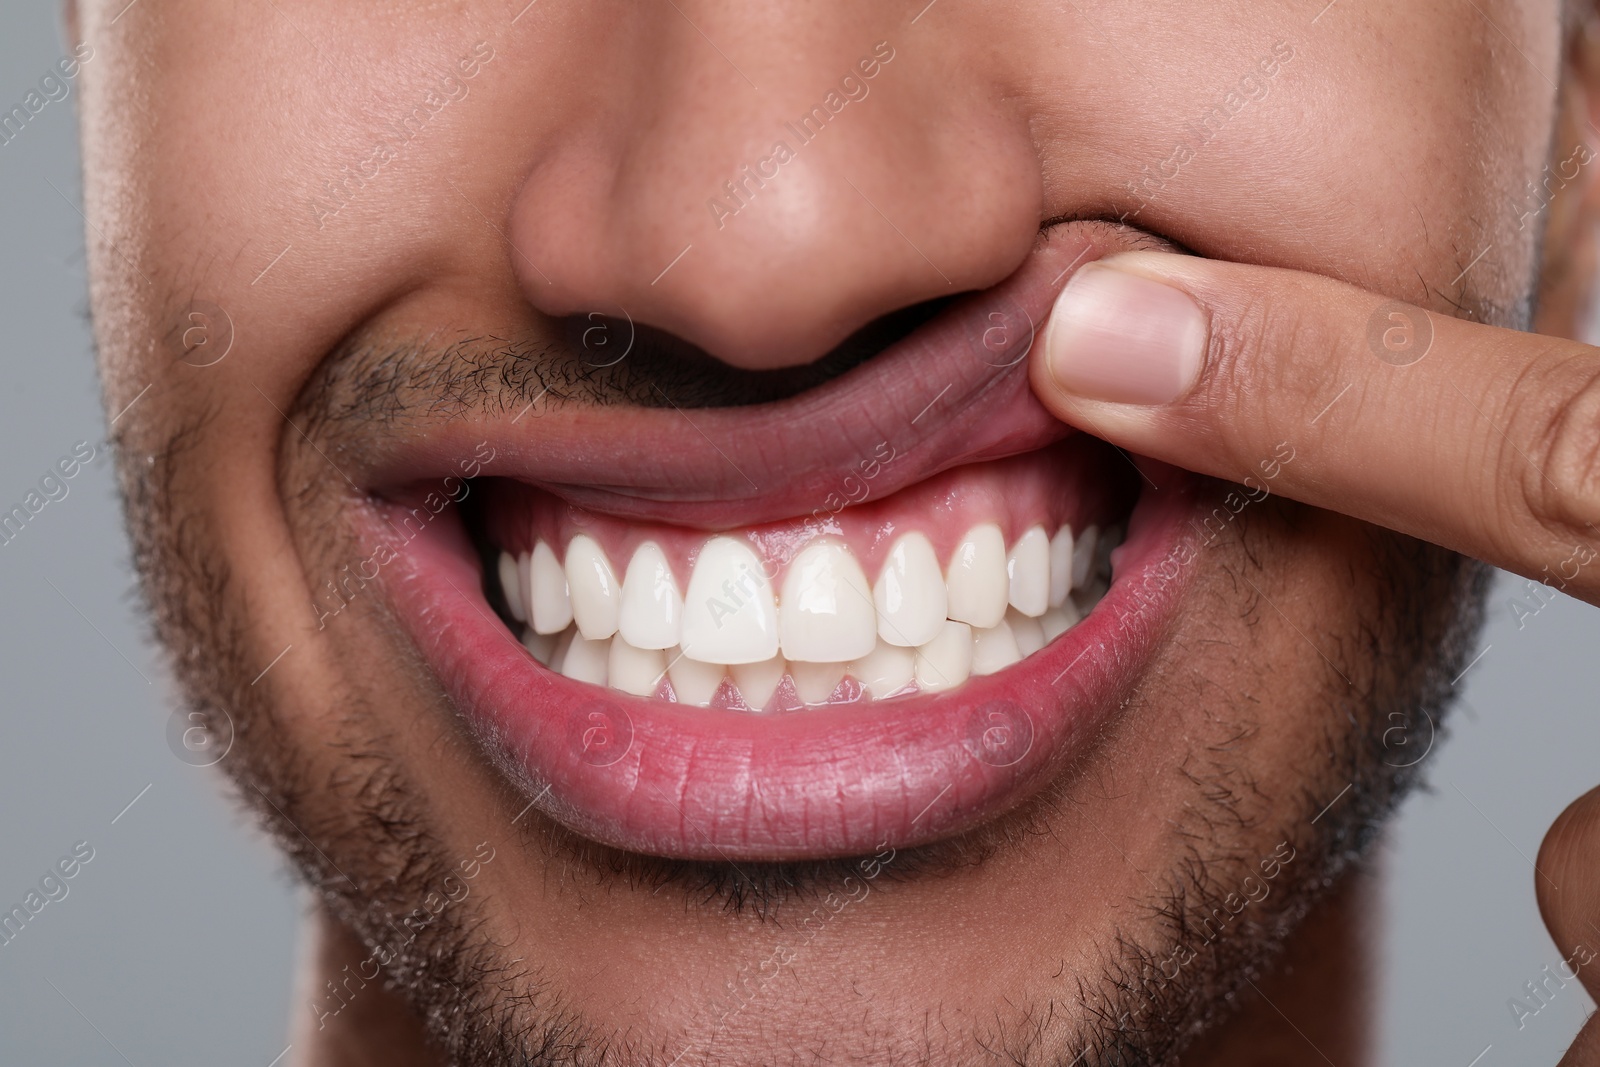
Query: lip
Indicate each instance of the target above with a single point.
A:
(705, 783)
(702, 783)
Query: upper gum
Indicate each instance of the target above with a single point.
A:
(1012, 493)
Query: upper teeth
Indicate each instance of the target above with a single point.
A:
(544, 590)
(977, 581)
(729, 615)
(826, 614)
(918, 625)
(910, 595)
(651, 614)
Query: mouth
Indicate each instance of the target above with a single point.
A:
(878, 613)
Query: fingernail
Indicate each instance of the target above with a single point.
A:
(1124, 338)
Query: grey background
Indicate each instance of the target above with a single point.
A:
(175, 944)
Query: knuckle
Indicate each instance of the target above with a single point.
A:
(1242, 343)
(1270, 357)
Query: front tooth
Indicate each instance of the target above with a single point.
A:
(1059, 620)
(758, 681)
(1060, 566)
(977, 582)
(994, 649)
(508, 586)
(910, 595)
(945, 662)
(652, 608)
(547, 598)
(635, 670)
(1029, 632)
(825, 613)
(728, 614)
(543, 646)
(1028, 571)
(1083, 555)
(593, 587)
(815, 682)
(586, 660)
(693, 682)
(885, 670)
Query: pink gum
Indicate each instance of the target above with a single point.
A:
(1072, 483)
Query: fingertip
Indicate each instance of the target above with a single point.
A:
(1120, 337)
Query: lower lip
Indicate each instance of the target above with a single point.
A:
(663, 779)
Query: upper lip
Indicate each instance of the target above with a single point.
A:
(953, 392)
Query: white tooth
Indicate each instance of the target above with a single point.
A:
(635, 670)
(1029, 632)
(977, 580)
(508, 586)
(593, 587)
(886, 669)
(543, 646)
(652, 608)
(815, 682)
(1086, 598)
(549, 605)
(1028, 568)
(825, 612)
(910, 594)
(1060, 566)
(758, 681)
(692, 681)
(945, 662)
(994, 649)
(563, 642)
(728, 613)
(586, 660)
(1083, 555)
(525, 586)
(1058, 621)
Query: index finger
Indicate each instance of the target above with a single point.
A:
(1481, 439)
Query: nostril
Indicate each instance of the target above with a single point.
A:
(659, 368)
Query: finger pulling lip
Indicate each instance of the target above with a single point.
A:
(955, 391)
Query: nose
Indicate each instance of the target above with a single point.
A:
(762, 181)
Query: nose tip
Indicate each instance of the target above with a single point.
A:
(763, 233)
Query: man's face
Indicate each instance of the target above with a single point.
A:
(443, 323)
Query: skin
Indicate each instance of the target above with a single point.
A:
(576, 166)
(1505, 417)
